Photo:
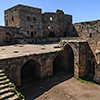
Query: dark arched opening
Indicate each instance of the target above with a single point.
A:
(51, 34)
(69, 58)
(30, 71)
(7, 38)
(32, 34)
(64, 62)
(58, 64)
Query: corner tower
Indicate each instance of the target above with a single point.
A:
(27, 19)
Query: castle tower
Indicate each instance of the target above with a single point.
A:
(27, 19)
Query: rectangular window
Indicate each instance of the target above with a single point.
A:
(34, 19)
(28, 18)
(27, 32)
(50, 18)
(32, 26)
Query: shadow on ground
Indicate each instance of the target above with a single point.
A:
(32, 91)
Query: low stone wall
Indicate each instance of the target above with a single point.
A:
(47, 40)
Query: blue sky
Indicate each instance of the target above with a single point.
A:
(82, 10)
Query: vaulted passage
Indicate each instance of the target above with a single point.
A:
(69, 58)
(30, 71)
(64, 62)
(58, 64)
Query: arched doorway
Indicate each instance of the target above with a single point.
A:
(32, 34)
(30, 71)
(58, 64)
(64, 62)
(51, 34)
(69, 58)
(7, 38)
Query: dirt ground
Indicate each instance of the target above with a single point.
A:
(60, 87)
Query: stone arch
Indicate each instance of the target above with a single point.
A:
(30, 71)
(69, 57)
(64, 61)
(7, 38)
(72, 46)
(58, 64)
(51, 34)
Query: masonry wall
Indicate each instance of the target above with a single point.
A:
(6, 33)
(11, 17)
(58, 23)
(31, 21)
(90, 31)
(27, 19)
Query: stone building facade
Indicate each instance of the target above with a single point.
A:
(79, 43)
(90, 31)
(35, 26)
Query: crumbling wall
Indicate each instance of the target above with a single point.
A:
(90, 32)
(7, 33)
(12, 17)
(27, 19)
(58, 23)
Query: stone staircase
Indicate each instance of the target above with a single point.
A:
(7, 88)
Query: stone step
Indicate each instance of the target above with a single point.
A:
(2, 74)
(3, 77)
(1, 82)
(15, 97)
(0, 71)
(6, 95)
(5, 86)
(5, 90)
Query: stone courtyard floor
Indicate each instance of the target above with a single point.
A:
(27, 49)
(60, 87)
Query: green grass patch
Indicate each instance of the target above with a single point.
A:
(14, 91)
(12, 85)
(20, 96)
(84, 81)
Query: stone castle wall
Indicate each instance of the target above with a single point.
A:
(90, 31)
(27, 19)
(7, 33)
(58, 23)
